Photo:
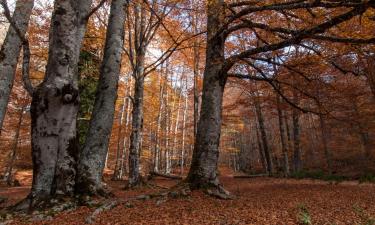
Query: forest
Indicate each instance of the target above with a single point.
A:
(187, 112)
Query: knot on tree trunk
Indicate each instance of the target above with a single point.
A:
(69, 94)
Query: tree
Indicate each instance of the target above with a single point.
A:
(11, 48)
(220, 26)
(93, 155)
(54, 107)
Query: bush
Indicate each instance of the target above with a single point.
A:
(367, 178)
(317, 175)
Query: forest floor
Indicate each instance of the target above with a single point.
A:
(258, 201)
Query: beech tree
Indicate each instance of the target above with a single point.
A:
(93, 155)
(11, 48)
(55, 105)
(222, 21)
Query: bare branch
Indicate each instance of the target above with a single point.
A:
(96, 8)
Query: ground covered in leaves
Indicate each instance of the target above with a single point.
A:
(258, 201)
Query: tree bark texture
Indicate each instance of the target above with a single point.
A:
(203, 170)
(93, 155)
(55, 104)
(10, 51)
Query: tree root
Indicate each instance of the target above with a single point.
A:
(106, 206)
(142, 182)
(38, 209)
(219, 192)
(169, 176)
(214, 189)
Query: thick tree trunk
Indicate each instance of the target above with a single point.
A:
(203, 170)
(10, 51)
(93, 155)
(54, 107)
(136, 135)
(194, 19)
(282, 137)
(263, 135)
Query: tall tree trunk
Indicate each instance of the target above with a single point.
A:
(168, 122)
(55, 104)
(297, 157)
(93, 155)
(158, 129)
(282, 137)
(195, 70)
(121, 141)
(10, 51)
(125, 144)
(325, 138)
(136, 134)
(176, 126)
(8, 176)
(184, 115)
(287, 129)
(140, 47)
(122, 116)
(263, 135)
(260, 149)
(203, 170)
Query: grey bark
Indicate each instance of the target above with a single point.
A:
(136, 134)
(203, 170)
(54, 107)
(93, 156)
(196, 56)
(10, 51)
(138, 48)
